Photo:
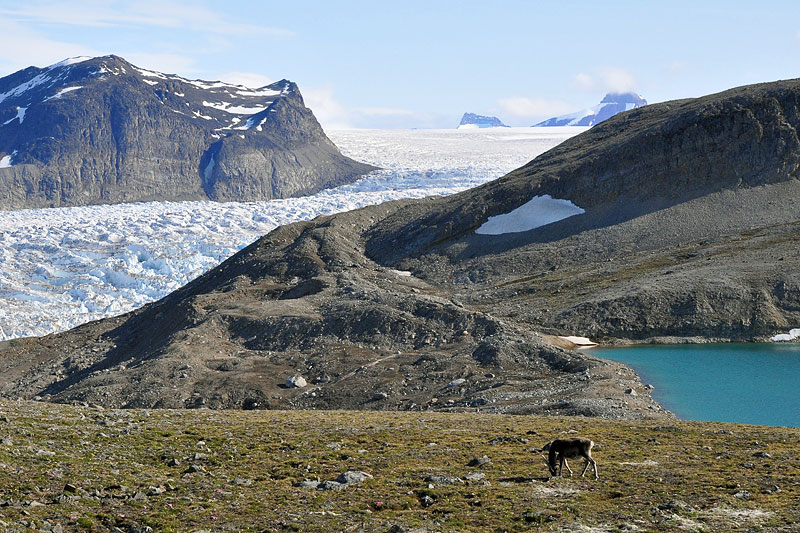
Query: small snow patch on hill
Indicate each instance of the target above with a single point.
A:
(537, 212)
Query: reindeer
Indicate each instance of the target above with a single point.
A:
(562, 449)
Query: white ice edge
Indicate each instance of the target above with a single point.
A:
(580, 341)
(793, 334)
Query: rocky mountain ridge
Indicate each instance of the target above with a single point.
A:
(689, 231)
(101, 130)
(610, 105)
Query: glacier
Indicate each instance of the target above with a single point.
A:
(62, 267)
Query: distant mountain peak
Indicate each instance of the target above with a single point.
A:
(480, 121)
(101, 130)
(623, 98)
(610, 105)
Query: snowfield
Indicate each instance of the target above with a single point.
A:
(537, 212)
(63, 267)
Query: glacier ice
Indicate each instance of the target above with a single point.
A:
(66, 266)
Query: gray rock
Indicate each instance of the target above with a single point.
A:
(675, 505)
(475, 476)
(444, 480)
(426, 501)
(352, 476)
(296, 381)
(457, 382)
(743, 495)
(479, 461)
(331, 485)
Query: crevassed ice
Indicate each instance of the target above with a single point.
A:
(537, 212)
(62, 267)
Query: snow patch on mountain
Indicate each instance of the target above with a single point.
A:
(238, 110)
(64, 91)
(537, 212)
(20, 116)
(71, 61)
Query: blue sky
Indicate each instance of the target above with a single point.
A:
(424, 63)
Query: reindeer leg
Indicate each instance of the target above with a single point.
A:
(591, 461)
(568, 468)
(585, 466)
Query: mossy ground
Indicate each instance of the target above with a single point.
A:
(118, 470)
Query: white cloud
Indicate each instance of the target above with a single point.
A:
(533, 108)
(248, 79)
(333, 114)
(606, 79)
(583, 81)
(330, 113)
(676, 66)
(23, 47)
(381, 111)
(166, 63)
(616, 79)
(142, 13)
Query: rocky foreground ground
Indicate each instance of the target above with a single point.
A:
(67, 468)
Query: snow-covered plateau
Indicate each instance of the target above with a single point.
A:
(63, 267)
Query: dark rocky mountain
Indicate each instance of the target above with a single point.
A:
(100, 130)
(690, 230)
(610, 105)
(471, 119)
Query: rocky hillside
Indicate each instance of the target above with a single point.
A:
(610, 105)
(100, 130)
(686, 228)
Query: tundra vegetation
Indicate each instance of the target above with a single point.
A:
(72, 468)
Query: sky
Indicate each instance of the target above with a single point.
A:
(422, 64)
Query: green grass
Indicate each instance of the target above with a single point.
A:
(118, 461)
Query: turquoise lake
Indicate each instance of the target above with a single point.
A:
(748, 383)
